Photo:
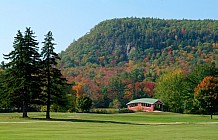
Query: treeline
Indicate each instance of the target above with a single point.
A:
(113, 88)
(189, 92)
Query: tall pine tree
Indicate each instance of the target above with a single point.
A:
(22, 71)
(53, 81)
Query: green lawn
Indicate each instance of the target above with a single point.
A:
(136, 126)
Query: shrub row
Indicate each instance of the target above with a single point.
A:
(110, 111)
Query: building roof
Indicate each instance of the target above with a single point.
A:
(144, 100)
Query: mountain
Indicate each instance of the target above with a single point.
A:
(126, 53)
(144, 39)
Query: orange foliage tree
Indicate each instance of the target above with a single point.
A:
(78, 88)
(206, 94)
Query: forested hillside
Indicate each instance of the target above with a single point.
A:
(121, 59)
(120, 40)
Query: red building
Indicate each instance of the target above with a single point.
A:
(145, 104)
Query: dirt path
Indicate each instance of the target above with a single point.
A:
(146, 123)
(177, 123)
(29, 122)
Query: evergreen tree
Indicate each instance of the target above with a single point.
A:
(3, 100)
(21, 77)
(2, 65)
(13, 79)
(53, 81)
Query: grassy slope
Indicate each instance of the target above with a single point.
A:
(107, 126)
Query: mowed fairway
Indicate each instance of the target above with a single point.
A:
(136, 126)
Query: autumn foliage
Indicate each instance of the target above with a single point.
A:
(78, 88)
(209, 84)
(125, 58)
(206, 94)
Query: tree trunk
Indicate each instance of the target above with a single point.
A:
(25, 110)
(48, 112)
(48, 105)
(211, 113)
(49, 94)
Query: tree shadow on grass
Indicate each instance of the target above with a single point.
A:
(121, 123)
(86, 121)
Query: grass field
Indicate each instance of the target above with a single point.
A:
(134, 126)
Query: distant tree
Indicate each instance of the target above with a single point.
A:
(201, 71)
(134, 83)
(136, 75)
(116, 89)
(84, 103)
(21, 79)
(71, 96)
(115, 104)
(52, 77)
(194, 78)
(171, 89)
(206, 94)
(78, 88)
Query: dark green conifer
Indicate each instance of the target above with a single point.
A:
(22, 70)
(53, 81)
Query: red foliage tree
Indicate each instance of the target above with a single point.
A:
(206, 94)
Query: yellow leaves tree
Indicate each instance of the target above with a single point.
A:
(83, 101)
(78, 88)
(206, 94)
(171, 89)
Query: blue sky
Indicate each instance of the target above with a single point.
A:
(71, 19)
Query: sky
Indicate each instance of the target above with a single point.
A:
(71, 19)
